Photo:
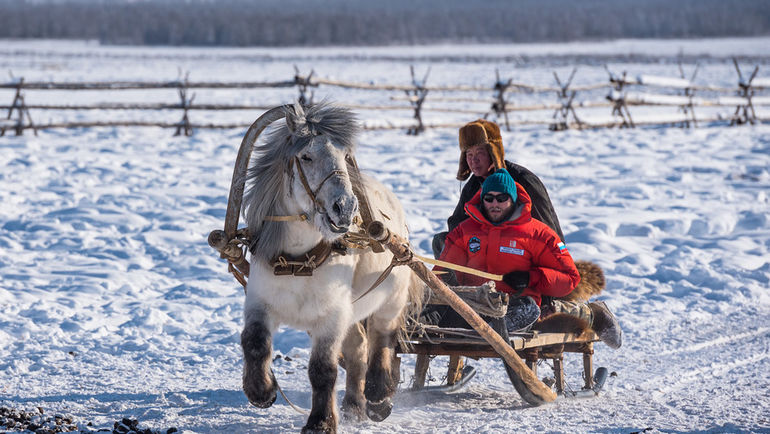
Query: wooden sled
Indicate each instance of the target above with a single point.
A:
(427, 341)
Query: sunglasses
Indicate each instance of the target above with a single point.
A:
(502, 197)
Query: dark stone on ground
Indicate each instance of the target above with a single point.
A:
(38, 422)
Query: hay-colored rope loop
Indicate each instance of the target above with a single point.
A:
(286, 218)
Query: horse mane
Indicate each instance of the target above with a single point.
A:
(270, 168)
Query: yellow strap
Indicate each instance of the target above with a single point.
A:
(456, 267)
(286, 218)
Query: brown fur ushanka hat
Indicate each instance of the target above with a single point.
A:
(480, 132)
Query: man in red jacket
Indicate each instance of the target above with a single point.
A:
(501, 237)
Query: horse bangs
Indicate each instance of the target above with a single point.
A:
(338, 123)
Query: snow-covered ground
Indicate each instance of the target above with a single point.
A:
(113, 305)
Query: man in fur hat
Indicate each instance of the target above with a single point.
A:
(481, 153)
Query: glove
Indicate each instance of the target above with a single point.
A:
(518, 280)
(450, 278)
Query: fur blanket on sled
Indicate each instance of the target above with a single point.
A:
(591, 284)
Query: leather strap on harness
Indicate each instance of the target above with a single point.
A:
(285, 265)
(384, 275)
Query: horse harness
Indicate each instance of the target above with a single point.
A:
(304, 264)
(284, 265)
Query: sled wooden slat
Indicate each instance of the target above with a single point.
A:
(518, 342)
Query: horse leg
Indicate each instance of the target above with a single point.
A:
(380, 381)
(354, 352)
(259, 384)
(322, 371)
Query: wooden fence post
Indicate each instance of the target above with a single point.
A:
(689, 92)
(184, 124)
(565, 116)
(566, 98)
(744, 113)
(416, 98)
(618, 99)
(302, 85)
(501, 105)
(21, 109)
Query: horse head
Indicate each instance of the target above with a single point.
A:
(322, 136)
(301, 170)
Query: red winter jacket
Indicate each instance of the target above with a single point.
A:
(519, 244)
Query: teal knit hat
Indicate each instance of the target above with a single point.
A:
(499, 181)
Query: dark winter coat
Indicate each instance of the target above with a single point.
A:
(542, 208)
(519, 244)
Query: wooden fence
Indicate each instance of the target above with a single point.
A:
(622, 93)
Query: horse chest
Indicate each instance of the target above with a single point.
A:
(303, 302)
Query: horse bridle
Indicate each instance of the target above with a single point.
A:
(313, 194)
(310, 192)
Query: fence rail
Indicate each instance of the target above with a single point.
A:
(502, 101)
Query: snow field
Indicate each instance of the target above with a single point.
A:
(112, 304)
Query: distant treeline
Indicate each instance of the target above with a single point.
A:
(354, 22)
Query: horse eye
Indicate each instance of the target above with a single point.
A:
(306, 158)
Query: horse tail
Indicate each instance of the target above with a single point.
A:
(591, 284)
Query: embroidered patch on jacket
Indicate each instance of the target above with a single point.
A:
(512, 243)
(562, 247)
(474, 244)
(512, 250)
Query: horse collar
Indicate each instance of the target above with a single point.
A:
(303, 265)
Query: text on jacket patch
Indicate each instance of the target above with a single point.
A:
(511, 250)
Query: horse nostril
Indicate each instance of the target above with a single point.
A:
(336, 208)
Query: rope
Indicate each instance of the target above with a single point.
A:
(286, 218)
(467, 270)
(357, 240)
(309, 262)
(237, 274)
(384, 275)
(299, 410)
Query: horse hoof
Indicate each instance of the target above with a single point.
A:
(259, 396)
(379, 411)
(260, 393)
(263, 404)
(322, 428)
(353, 411)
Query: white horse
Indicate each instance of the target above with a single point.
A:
(299, 201)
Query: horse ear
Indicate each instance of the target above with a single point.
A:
(296, 122)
